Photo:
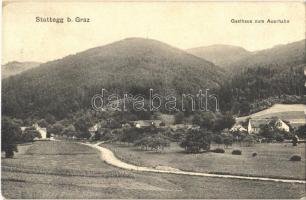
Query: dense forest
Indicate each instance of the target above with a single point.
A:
(64, 87)
(255, 85)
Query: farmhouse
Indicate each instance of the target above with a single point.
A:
(41, 131)
(98, 126)
(92, 130)
(238, 128)
(146, 123)
(255, 124)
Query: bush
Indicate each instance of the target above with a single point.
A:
(29, 135)
(254, 154)
(218, 139)
(236, 152)
(295, 158)
(248, 141)
(42, 123)
(228, 141)
(301, 132)
(179, 118)
(162, 124)
(108, 135)
(218, 150)
(279, 137)
(113, 124)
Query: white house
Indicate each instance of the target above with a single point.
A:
(255, 124)
(92, 130)
(238, 128)
(146, 123)
(42, 131)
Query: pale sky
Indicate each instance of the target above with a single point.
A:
(180, 24)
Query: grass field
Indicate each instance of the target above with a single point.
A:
(68, 170)
(272, 160)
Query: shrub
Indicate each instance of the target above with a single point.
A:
(295, 158)
(236, 152)
(113, 124)
(42, 123)
(179, 118)
(108, 135)
(302, 131)
(279, 137)
(218, 139)
(218, 150)
(29, 135)
(248, 141)
(228, 141)
(254, 154)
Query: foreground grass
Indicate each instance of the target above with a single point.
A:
(69, 170)
(272, 160)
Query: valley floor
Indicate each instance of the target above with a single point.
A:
(50, 169)
(272, 160)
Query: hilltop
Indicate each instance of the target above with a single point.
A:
(131, 65)
(15, 67)
(221, 55)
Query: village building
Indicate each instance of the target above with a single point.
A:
(42, 131)
(238, 128)
(255, 125)
(146, 123)
(92, 130)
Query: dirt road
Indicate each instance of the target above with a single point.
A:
(109, 157)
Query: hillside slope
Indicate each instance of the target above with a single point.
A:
(221, 55)
(13, 68)
(293, 113)
(275, 72)
(132, 65)
(280, 56)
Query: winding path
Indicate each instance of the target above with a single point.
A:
(109, 157)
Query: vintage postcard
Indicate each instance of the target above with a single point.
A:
(153, 100)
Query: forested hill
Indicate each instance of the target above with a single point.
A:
(132, 65)
(221, 55)
(280, 56)
(13, 68)
(270, 76)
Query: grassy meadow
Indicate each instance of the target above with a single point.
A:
(272, 160)
(49, 169)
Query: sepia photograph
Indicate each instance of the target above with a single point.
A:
(153, 100)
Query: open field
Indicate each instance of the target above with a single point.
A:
(272, 160)
(68, 170)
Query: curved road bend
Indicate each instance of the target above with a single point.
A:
(109, 157)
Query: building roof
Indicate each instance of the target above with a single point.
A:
(144, 123)
(238, 127)
(256, 123)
